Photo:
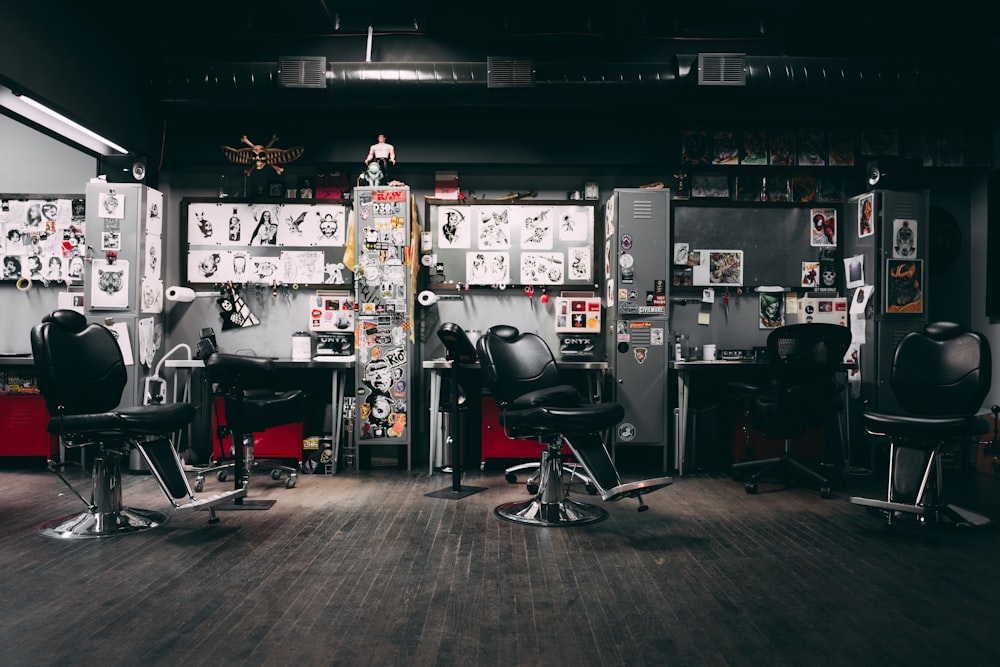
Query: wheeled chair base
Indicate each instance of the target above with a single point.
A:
(785, 463)
(566, 512)
(223, 470)
(94, 524)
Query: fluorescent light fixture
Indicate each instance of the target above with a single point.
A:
(38, 113)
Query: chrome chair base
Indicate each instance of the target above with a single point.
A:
(94, 524)
(550, 505)
(565, 512)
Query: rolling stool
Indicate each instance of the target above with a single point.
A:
(249, 412)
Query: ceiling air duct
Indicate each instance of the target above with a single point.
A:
(722, 69)
(302, 72)
(509, 72)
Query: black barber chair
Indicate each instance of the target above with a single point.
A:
(81, 374)
(537, 403)
(249, 411)
(940, 377)
(804, 360)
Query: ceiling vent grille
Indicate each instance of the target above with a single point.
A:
(722, 69)
(302, 72)
(509, 73)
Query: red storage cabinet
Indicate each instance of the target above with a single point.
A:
(23, 423)
(496, 444)
(277, 442)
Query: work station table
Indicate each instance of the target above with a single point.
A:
(690, 371)
(687, 371)
(339, 367)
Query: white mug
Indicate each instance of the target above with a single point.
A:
(708, 352)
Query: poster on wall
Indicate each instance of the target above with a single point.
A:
(498, 242)
(866, 224)
(717, 267)
(39, 238)
(110, 285)
(771, 310)
(824, 227)
(247, 242)
(904, 291)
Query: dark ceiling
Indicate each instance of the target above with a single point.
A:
(627, 62)
(619, 30)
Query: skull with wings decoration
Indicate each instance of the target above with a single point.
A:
(258, 156)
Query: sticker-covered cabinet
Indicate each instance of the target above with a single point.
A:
(384, 348)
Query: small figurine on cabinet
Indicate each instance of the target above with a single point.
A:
(382, 155)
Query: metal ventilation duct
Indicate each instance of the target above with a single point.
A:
(302, 72)
(722, 69)
(248, 83)
(509, 73)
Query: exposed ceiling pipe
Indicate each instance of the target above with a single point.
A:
(249, 82)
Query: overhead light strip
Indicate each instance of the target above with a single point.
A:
(38, 113)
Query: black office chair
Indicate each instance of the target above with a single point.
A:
(536, 403)
(804, 360)
(81, 375)
(940, 377)
(249, 411)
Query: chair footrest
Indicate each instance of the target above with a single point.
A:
(956, 514)
(210, 501)
(635, 489)
(889, 505)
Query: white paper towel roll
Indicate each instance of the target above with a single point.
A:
(427, 298)
(178, 293)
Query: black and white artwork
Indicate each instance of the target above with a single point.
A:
(109, 284)
(454, 228)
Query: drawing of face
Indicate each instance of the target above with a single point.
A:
(34, 216)
(269, 229)
(209, 265)
(328, 226)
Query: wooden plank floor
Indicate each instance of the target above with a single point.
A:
(365, 569)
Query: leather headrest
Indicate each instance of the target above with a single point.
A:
(944, 330)
(69, 320)
(503, 331)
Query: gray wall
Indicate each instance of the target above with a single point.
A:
(35, 164)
